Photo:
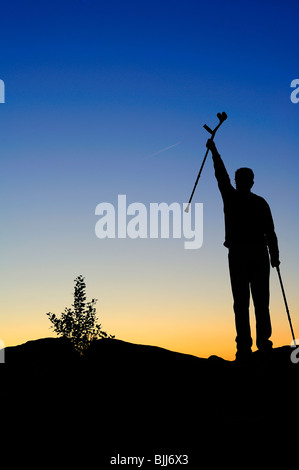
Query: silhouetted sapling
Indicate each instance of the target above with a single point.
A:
(79, 324)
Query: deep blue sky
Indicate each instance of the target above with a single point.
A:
(93, 90)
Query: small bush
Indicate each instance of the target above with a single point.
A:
(80, 322)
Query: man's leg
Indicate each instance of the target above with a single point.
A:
(261, 295)
(239, 276)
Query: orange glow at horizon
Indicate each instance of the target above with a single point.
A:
(188, 334)
(168, 298)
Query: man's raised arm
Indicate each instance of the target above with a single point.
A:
(220, 170)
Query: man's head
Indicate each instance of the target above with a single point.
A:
(244, 178)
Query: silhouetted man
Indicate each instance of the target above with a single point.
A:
(249, 232)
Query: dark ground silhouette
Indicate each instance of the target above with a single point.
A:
(134, 400)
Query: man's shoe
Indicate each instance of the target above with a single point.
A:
(243, 357)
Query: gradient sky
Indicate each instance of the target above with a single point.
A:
(94, 90)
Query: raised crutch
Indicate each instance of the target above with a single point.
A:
(222, 117)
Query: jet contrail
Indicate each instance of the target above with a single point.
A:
(164, 149)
